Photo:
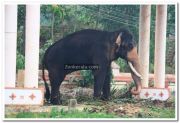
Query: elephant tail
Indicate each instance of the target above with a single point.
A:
(47, 93)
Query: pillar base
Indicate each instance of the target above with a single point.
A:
(24, 96)
(155, 93)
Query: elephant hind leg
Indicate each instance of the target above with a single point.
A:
(56, 77)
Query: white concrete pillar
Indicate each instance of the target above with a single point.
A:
(10, 45)
(32, 45)
(160, 45)
(144, 42)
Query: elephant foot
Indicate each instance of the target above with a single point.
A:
(96, 98)
(47, 97)
(105, 98)
(56, 100)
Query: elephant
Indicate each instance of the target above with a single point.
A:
(95, 47)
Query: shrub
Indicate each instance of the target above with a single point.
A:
(43, 49)
(123, 65)
(88, 78)
(20, 61)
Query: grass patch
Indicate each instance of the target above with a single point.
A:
(62, 114)
(155, 112)
(86, 115)
(32, 115)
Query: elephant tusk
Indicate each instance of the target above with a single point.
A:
(134, 70)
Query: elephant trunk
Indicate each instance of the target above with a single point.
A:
(133, 61)
(136, 75)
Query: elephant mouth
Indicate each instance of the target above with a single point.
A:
(134, 70)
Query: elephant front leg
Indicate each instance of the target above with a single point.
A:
(99, 77)
(106, 86)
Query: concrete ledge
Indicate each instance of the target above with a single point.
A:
(24, 96)
(155, 93)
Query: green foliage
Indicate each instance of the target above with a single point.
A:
(123, 65)
(63, 114)
(21, 15)
(44, 35)
(20, 61)
(88, 78)
(151, 67)
(124, 92)
(170, 69)
(47, 13)
(21, 29)
(171, 19)
(20, 40)
(32, 115)
(20, 58)
(170, 30)
(83, 114)
(54, 112)
(51, 15)
(158, 112)
(44, 48)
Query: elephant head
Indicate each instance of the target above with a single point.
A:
(126, 48)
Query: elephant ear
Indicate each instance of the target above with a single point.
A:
(118, 41)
